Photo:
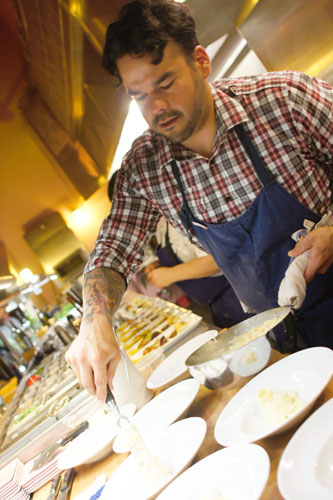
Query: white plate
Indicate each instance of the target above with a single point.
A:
(306, 467)
(175, 445)
(94, 443)
(161, 411)
(306, 372)
(174, 365)
(235, 473)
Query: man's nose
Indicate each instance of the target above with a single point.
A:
(158, 106)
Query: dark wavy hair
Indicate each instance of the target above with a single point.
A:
(145, 27)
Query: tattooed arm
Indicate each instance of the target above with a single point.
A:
(94, 354)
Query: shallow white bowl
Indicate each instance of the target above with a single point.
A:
(161, 411)
(96, 442)
(175, 445)
(174, 366)
(237, 473)
(306, 467)
(306, 372)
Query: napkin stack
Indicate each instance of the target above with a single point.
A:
(10, 487)
(18, 480)
(292, 289)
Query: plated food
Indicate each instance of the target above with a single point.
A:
(174, 446)
(147, 323)
(306, 372)
(309, 456)
(161, 411)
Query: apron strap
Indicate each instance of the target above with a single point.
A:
(185, 214)
(259, 166)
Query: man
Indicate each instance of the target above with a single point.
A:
(237, 166)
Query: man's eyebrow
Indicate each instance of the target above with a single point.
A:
(165, 76)
(161, 79)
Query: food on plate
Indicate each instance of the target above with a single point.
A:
(155, 322)
(154, 470)
(212, 494)
(278, 407)
(251, 358)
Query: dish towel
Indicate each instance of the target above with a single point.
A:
(292, 289)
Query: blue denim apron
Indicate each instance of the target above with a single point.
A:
(252, 250)
(214, 292)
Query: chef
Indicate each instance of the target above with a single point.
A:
(236, 166)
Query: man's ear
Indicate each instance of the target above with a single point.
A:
(201, 60)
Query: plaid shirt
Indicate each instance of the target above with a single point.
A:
(289, 118)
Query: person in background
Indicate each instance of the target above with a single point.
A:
(236, 166)
(197, 274)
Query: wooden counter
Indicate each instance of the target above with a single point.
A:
(208, 405)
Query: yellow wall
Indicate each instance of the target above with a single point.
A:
(31, 182)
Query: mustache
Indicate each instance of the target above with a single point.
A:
(164, 116)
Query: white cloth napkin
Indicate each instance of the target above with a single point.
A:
(293, 287)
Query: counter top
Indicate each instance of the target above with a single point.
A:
(208, 404)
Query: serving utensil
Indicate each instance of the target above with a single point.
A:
(112, 404)
(238, 336)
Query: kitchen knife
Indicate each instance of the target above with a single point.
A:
(238, 335)
(66, 484)
(49, 452)
(55, 486)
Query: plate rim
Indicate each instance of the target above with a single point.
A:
(169, 380)
(308, 423)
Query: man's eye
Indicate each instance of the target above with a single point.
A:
(167, 86)
(140, 98)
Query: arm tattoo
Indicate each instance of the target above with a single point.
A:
(102, 292)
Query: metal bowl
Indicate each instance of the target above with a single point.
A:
(234, 369)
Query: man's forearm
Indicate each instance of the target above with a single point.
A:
(102, 292)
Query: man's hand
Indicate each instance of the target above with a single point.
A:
(94, 355)
(320, 245)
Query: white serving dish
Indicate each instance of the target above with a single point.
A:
(236, 473)
(306, 466)
(174, 365)
(175, 445)
(306, 372)
(96, 442)
(168, 406)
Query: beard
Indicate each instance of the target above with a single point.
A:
(192, 123)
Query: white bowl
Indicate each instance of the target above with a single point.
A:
(306, 466)
(161, 411)
(236, 473)
(234, 369)
(96, 442)
(306, 372)
(175, 446)
(174, 365)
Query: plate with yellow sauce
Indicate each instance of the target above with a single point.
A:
(277, 398)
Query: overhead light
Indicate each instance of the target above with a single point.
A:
(134, 125)
(26, 275)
